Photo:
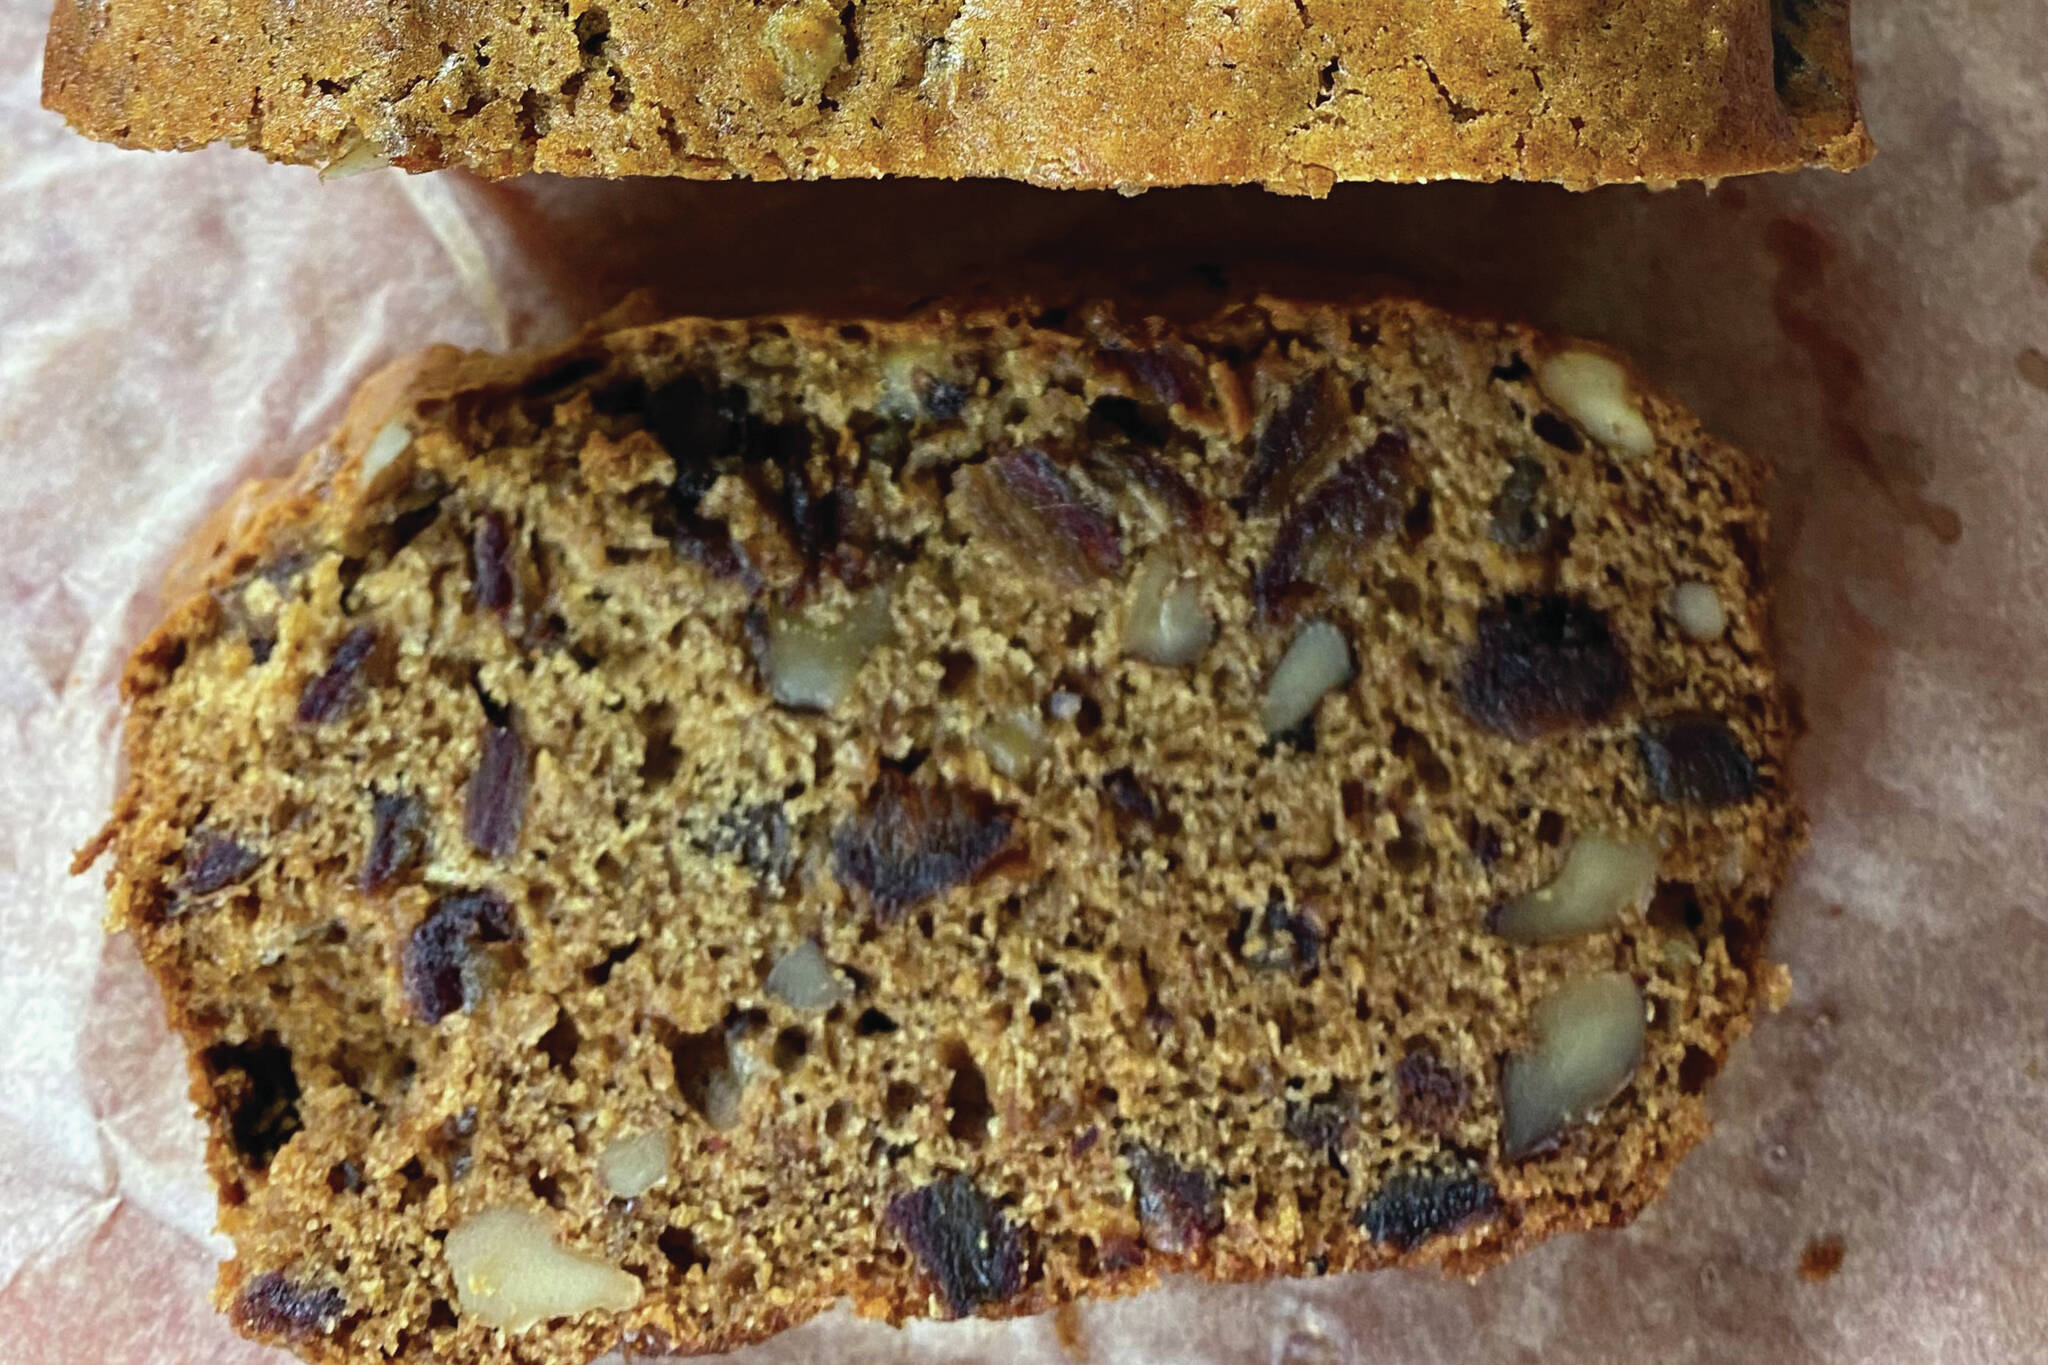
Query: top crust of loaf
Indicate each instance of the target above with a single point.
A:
(1296, 96)
(1335, 1100)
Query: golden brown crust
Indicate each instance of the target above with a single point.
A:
(1294, 94)
(1090, 1005)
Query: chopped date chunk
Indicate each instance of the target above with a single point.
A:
(1028, 504)
(913, 840)
(492, 576)
(398, 838)
(335, 690)
(495, 808)
(1433, 1092)
(1414, 1206)
(1178, 1208)
(972, 1253)
(215, 861)
(443, 966)
(272, 1305)
(1541, 664)
(1696, 760)
(1362, 500)
(1291, 442)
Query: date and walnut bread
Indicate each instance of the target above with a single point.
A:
(1295, 94)
(956, 813)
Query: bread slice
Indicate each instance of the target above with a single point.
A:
(1294, 94)
(961, 813)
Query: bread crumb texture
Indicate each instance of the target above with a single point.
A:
(1295, 94)
(957, 813)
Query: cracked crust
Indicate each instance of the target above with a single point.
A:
(1297, 95)
(1169, 995)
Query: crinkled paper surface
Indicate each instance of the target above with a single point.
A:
(170, 325)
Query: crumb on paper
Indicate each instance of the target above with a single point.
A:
(1821, 1259)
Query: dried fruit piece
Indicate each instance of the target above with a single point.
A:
(332, 692)
(1521, 521)
(1588, 1041)
(1594, 392)
(443, 970)
(1414, 1206)
(1601, 878)
(1178, 1208)
(1694, 759)
(809, 661)
(631, 1166)
(913, 840)
(398, 838)
(272, 1305)
(1318, 660)
(491, 575)
(1293, 437)
(804, 979)
(1146, 483)
(214, 861)
(1172, 373)
(511, 1274)
(1324, 1123)
(1166, 624)
(1282, 939)
(1362, 500)
(1027, 504)
(494, 809)
(1541, 664)
(973, 1254)
(1432, 1092)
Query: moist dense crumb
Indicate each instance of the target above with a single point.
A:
(1295, 95)
(957, 813)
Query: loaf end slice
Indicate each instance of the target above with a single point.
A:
(957, 813)
(1298, 97)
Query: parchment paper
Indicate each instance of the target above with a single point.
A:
(172, 324)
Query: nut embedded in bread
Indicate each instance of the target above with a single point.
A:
(961, 813)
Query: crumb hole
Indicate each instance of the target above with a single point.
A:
(560, 1042)
(967, 1103)
(1420, 521)
(959, 669)
(680, 1248)
(897, 1102)
(873, 1023)
(1696, 1070)
(1550, 829)
(1080, 629)
(441, 1317)
(659, 756)
(837, 1115)
(790, 1046)
(1675, 909)
(703, 1064)
(546, 1188)
(1352, 793)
